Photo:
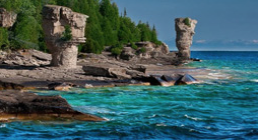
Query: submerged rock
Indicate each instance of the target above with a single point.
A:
(10, 86)
(184, 36)
(166, 80)
(15, 105)
(55, 19)
(186, 79)
(60, 86)
(7, 19)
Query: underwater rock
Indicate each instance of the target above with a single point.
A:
(60, 86)
(15, 105)
(10, 86)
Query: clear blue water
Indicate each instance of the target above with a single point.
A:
(216, 109)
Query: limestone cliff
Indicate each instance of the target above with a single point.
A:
(55, 18)
(184, 36)
(7, 19)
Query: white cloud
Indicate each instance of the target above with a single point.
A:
(255, 41)
(200, 41)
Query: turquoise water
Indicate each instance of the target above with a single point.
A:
(223, 108)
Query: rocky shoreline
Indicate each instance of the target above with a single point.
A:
(138, 63)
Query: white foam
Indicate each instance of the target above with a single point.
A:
(2, 125)
(255, 80)
(193, 118)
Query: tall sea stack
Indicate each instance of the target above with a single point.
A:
(58, 23)
(184, 36)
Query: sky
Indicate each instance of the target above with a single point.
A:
(230, 25)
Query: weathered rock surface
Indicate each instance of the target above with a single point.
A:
(7, 19)
(26, 58)
(29, 106)
(55, 18)
(106, 70)
(184, 36)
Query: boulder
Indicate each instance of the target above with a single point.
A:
(106, 70)
(158, 81)
(186, 79)
(7, 19)
(15, 105)
(128, 53)
(55, 19)
(184, 36)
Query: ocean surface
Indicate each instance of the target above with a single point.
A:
(225, 107)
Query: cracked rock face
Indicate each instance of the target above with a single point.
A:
(55, 18)
(184, 36)
(7, 19)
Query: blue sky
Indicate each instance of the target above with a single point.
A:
(222, 24)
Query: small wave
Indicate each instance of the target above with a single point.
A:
(193, 118)
(255, 80)
(2, 125)
(161, 124)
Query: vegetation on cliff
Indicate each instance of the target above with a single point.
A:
(105, 27)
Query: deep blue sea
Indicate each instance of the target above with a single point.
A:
(219, 108)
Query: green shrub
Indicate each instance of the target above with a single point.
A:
(143, 50)
(187, 22)
(134, 46)
(117, 49)
(67, 34)
(4, 42)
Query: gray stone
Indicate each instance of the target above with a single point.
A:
(184, 37)
(55, 18)
(106, 70)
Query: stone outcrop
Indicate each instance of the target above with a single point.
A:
(55, 18)
(25, 58)
(107, 70)
(7, 19)
(15, 105)
(184, 36)
(151, 51)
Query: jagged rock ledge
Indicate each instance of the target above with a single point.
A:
(16, 105)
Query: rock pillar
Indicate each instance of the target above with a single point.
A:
(184, 36)
(7, 19)
(55, 19)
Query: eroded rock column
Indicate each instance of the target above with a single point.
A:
(55, 19)
(7, 19)
(184, 36)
